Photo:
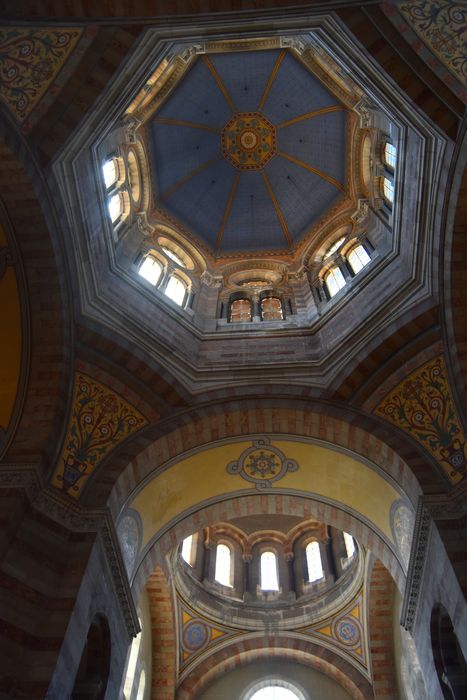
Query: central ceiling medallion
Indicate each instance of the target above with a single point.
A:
(248, 141)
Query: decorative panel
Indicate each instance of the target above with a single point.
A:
(101, 419)
(422, 405)
(30, 60)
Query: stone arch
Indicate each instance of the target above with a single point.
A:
(277, 647)
(196, 431)
(30, 213)
(260, 504)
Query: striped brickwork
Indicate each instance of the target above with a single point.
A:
(277, 646)
(381, 623)
(164, 653)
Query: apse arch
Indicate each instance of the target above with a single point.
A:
(202, 488)
(280, 647)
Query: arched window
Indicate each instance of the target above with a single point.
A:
(332, 249)
(176, 290)
(131, 668)
(390, 155)
(388, 190)
(358, 258)
(115, 206)
(173, 256)
(240, 310)
(349, 544)
(269, 579)
(313, 562)
(274, 689)
(150, 269)
(141, 686)
(334, 280)
(187, 549)
(223, 573)
(110, 172)
(271, 309)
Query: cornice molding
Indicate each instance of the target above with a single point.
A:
(430, 508)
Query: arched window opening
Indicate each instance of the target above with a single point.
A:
(390, 155)
(388, 190)
(173, 256)
(240, 310)
(223, 572)
(358, 258)
(134, 177)
(334, 280)
(151, 270)
(332, 249)
(275, 692)
(313, 562)
(187, 547)
(449, 661)
(176, 290)
(93, 672)
(274, 689)
(141, 686)
(110, 172)
(131, 668)
(268, 570)
(115, 206)
(349, 544)
(271, 309)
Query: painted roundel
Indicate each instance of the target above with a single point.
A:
(195, 635)
(347, 631)
(249, 141)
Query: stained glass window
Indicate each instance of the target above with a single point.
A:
(390, 155)
(269, 580)
(223, 573)
(349, 544)
(313, 562)
(110, 172)
(271, 309)
(186, 549)
(115, 206)
(332, 249)
(334, 280)
(176, 290)
(275, 692)
(151, 270)
(388, 189)
(240, 310)
(358, 258)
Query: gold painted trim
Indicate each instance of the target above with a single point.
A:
(277, 208)
(168, 193)
(257, 44)
(310, 115)
(228, 207)
(272, 77)
(220, 84)
(311, 169)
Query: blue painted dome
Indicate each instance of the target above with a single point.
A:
(249, 151)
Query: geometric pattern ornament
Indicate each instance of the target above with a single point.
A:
(441, 26)
(345, 631)
(248, 141)
(101, 419)
(30, 59)
(422, 406)
(197, 633)
(262, 464)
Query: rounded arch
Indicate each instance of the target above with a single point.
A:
(93, 672)
(45, 364)
(154, 553)
(283, 647)
(198, 429)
